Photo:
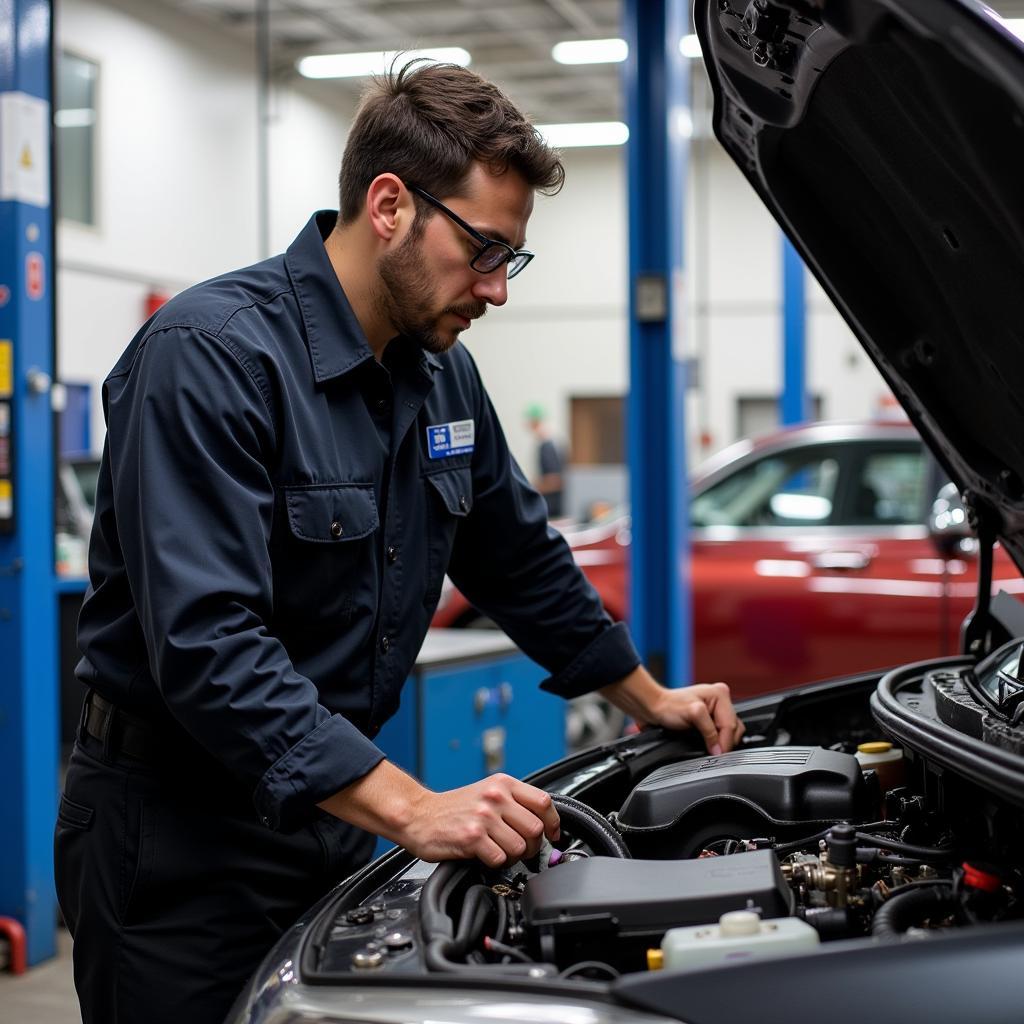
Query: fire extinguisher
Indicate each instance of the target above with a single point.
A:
(154, 300)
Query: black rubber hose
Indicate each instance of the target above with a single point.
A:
(502, 925)
(919, 853)
(476, 908)
(904, 910)
(434, 920)
(593, 828)
(436, 927)
(907, 849)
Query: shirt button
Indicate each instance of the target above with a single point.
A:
(385, 644)
(392, 554)
(463, 504)
(337, 529)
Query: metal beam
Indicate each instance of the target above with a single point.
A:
(28, 604)
(656, 87)
(795, 406)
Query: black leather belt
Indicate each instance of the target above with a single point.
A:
(117, 730)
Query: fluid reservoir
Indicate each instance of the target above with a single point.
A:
(885, 760)
(739, 935)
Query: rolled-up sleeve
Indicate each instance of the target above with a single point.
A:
(513, 565)
(194, 501)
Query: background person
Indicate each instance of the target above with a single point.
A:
(549, 461)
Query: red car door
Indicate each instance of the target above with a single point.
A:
(819, 564)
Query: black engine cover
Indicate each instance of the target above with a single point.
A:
(574, 910)
(775, 790)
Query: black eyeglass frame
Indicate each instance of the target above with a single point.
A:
(516, 259)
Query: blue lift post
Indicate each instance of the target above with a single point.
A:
(656, 85)
(28, 607)
(795, 403)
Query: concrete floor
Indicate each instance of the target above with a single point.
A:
(43, 995)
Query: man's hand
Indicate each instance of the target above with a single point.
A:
(706, 707)
(497, 820)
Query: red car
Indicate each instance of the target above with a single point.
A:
(812, 557)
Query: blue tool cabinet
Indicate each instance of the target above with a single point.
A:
(472, 707)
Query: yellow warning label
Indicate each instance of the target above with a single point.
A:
(26, 158)
(6, 500)
(6, 369)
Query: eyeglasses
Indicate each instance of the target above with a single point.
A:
(492, 254)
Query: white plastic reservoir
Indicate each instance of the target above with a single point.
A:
(739, 935)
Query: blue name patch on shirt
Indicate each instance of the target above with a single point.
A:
(447, 439)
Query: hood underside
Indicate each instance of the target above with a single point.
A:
(887, 138)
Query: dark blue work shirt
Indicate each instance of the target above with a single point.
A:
(275, 516)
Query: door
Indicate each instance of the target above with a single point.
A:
(813, 562)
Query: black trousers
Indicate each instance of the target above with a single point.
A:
(172, 889)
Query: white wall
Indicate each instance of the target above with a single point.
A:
(563, 331)
(306, 142)
(176, 172)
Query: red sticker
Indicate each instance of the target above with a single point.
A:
(5, 295)
(34, 276)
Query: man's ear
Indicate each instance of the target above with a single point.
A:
(388, 205)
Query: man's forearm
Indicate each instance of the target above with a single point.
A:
(383, 801)
(638, 694)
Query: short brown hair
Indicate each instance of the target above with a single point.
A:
(429, 123)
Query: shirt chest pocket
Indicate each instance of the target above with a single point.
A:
(449, 501)
(328, 556)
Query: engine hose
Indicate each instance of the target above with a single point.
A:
(502, 925)
(436, 954)
(902, 911)
(593, 828)
(434, 921)
(436, 927)
(907, 849)
(471, 920)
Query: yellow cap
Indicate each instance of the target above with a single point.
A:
(655, 959)
(878, 747)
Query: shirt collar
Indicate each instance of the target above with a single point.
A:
(335, 337)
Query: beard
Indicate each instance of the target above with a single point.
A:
(406, 298)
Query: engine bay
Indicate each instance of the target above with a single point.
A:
(853, 811)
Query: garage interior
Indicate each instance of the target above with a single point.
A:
(666, 322)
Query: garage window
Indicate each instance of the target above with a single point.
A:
(75, 136)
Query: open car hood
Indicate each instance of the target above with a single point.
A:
(887, 139)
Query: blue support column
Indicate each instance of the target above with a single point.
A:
(656, 83)
(795, 404)
(28, 607)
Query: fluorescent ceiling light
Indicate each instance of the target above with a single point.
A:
(356, 65)
(593, 133)
(689, 46)
(74, 117)
(591, 51)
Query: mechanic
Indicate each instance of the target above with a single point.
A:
(296, 453)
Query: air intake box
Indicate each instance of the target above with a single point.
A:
(574, 910)
(784, 792)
